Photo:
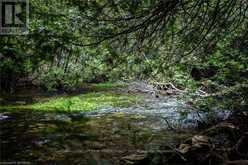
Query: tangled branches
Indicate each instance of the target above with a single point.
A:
(140, 23)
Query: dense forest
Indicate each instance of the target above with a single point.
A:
(126, 82)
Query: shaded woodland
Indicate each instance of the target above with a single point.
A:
(80, 56)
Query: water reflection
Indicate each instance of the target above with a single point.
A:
(41, 137)
(99, 137)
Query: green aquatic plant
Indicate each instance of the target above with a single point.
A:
(83, 102)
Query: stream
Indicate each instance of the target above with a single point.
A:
(110, 135)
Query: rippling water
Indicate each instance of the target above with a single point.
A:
(102, 136)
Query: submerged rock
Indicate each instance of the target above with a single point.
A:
(56, 117)
(197, 142)
(3, 116)
(133, 159)
(237, 162)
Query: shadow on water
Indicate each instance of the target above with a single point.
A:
(105, 136)
(27, 135)
(34, 136)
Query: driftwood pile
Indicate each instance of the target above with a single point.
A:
(155, 88)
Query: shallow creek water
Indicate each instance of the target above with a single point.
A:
(104, 136)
